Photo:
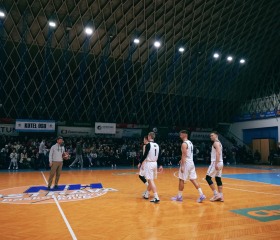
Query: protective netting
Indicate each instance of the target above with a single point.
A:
(64, 74)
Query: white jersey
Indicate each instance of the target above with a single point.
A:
(213, 153)
(189, 157)
(153, 152)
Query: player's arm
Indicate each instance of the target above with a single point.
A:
(217, 147)
(147, 149)
(140, 162)
(184, 149)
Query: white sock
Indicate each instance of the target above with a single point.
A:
(200, 191)
(180, 193)
(156, 195)
(215, 192)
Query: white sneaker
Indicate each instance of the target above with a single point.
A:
(155, 200)
(146, 195)
(216, 197)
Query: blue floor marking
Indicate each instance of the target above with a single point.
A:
(270, 178)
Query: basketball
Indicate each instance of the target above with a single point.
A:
(65, 156)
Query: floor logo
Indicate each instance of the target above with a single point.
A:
(263, 214)
(64, 193)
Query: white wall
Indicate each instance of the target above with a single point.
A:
(236, 128)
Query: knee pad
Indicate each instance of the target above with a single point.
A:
(209, 180)
(218, 181)
(143, 179)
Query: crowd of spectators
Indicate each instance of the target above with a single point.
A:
(32, 153)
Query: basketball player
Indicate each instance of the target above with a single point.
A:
(187, 168)
(216, 167)
(151, 156)
(141, 167)
(56, 162)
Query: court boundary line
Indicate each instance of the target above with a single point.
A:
(244, 190)
(62, 213)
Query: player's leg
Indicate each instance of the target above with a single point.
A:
(154, 190)
(218, 179)
(153, 175)
(143, 179)
(211, 172)
(193, 179)
(146, 172)
(182, 178)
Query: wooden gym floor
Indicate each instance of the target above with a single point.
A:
(123, 214)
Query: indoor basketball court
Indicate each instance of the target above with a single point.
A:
(108, 204)
(99, 87)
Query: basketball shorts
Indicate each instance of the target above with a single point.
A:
(212, 172)
(142, 169)
(150, 170)
(189, 172)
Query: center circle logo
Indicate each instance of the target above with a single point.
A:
(41, 195)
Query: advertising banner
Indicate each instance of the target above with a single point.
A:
(8, 130)
(75, 131)
(129, 133)
(25, 125)
(105, 128)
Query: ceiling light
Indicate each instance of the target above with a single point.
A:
(229, 58)
(88, 31)
(216, 55)
(242, 61)
(2, 14)
(136, 41)
(157, 44)
(181, 49)
(52, 24)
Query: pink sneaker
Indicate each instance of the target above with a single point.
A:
(216, 197)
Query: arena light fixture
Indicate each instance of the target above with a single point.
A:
(52, 24)
(136, 40)
(242, 61)
(157, 44)
(2, 14)
(229, 58)
(216, 55)
(181, 49)
(88, 31)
